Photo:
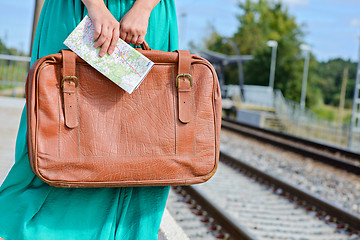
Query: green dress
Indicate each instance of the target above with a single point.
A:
(32, 210)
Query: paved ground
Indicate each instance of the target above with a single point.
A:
(10, 111)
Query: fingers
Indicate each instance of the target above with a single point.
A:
(97, 32)
(134, 39)
(132, 29)
(106, 26)
(108, 38)
(104, 48)
(140, 40)
(122, 34)
(115, 38)
(128, 38)
(132, 33)
(103, 41)
(103, 37)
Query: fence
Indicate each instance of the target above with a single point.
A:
(290, 118)
(13, 72)
(307, 124)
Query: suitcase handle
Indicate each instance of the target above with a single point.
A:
(145, 46)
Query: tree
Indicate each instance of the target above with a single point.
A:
(2, 47)
(331, 74)
(10, 51)
(262, 21)
(268, 20)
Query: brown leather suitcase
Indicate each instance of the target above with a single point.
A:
(85, 131)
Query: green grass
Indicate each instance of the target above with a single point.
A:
(13, 72)
(332, 113)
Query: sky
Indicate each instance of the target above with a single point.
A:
(332, 27)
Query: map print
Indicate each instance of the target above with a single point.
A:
(125, 66)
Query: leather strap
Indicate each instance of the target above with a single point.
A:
(69, 89)
(184, 87)
(186, 126)
(145, 46)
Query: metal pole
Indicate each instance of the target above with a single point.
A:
(342, 95)
(220, 70)
(240, 68)
(37, 11)
(355, 101)
(305, 76)
(273, 45)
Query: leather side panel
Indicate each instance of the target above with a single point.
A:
(48, 112)
(204, 121)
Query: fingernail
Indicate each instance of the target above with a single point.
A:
(111, 51)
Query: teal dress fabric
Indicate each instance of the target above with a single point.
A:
(32, 210)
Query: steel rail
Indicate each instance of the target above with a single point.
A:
(330, 155)
(231, 226)
(343, 216)
(239, 232)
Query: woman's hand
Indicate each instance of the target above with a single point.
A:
(107, 28)
(133, 26)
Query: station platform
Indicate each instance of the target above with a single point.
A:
(10, 112)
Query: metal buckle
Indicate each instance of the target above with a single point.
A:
(76, 80)
(184, 75)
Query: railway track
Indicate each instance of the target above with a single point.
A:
(331, 155)
(243, 202)
(254, 205)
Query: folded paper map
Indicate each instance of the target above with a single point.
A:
(125, 66)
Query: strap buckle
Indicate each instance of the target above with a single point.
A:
(184, 75)
(74, 78)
